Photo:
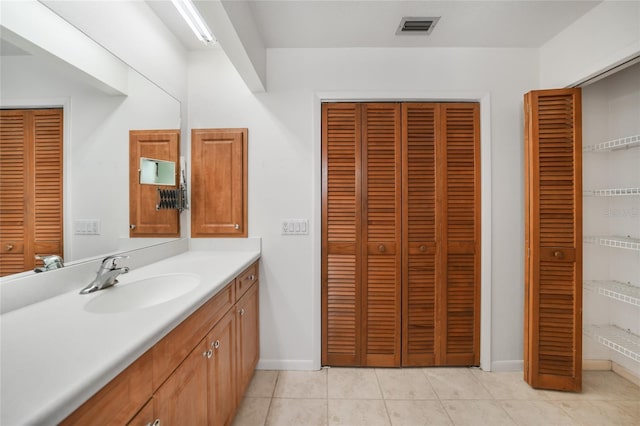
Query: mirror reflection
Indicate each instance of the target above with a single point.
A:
(95, 128)
(157, 172)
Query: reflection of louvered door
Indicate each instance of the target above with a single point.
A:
(553, 272)
(397, 179)
(30, 187)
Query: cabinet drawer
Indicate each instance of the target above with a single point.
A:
(244, 281)
(174, 348)
(120, 399)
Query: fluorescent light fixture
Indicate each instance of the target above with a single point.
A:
(190, 14)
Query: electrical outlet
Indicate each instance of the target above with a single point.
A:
(295, 226)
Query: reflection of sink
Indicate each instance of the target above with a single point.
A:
(142, 293)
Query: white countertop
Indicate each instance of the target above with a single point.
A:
(55, 355)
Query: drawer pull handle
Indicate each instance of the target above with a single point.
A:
(237, 226)
(242, 311)
(382, 248)
(215, 344)
(252, 277)
(558, 254)
(207, 354)
(422, 248)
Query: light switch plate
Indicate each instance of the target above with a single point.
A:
(86, 226)
(295, 227)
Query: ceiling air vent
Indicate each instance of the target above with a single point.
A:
(418, 26)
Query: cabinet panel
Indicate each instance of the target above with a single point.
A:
(222, 371)
(182, 399)
(553, 272)
(219, 182)
(246, 280)
(247, 338)
(146, 221)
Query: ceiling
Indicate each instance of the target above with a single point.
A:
(373, 23)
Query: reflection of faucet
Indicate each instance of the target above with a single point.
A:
(107, 274)
(51, 262)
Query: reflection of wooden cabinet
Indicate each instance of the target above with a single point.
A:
(144, 219)
(196, 375)
(219, 182)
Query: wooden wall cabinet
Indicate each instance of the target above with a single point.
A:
(195, 375)
(144, 219)
(553, 239)
(219, 183)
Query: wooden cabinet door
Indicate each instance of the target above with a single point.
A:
(459, 255)
(182, 399)
(219, 182)
(341, 233)
(419, 233)
(144, 219)
(247, 339)
(381, 243)
(222, 371)
(31, 196)
(553, 234)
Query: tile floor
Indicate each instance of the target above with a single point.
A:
(431, 396)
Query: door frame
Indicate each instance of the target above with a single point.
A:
(484, 98)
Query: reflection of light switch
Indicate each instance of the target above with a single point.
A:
(295, 226)
(86, 227)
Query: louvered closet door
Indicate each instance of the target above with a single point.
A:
(459, 220)
(30, 187)
(341, 233)
(419, 234)
(381, 236)
(553, 281)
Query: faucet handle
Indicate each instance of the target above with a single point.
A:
(109, 262)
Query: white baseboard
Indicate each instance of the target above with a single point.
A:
(287, 364)
(511, 365)
(626, 373)
(596, 364)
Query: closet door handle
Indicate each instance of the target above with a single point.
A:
(558, 254)
(422, 248)
(382, 248)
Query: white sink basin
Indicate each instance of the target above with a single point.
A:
(143, 293)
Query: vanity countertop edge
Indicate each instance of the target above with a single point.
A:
(55, 354)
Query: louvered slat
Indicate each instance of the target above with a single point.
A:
(381, 236)
(419, 233)
(341, 281)
(553, 274)
(460, 290)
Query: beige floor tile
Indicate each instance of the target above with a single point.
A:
(508, 385)
(416, 412)
(598, 413)
(353, 383)
(262, 384)
(601, 385)
(297, 412)
(477, 412)
(631, 407)
(406, 383)
(456, 383)
(537, 413)
(358, 412)
(302, 384)
(252, 412)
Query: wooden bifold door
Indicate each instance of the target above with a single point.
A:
(400, 234)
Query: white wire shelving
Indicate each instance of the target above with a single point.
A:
(618, 290)
(627, 243)
(621, 341)
(611, 192)
(615, 144)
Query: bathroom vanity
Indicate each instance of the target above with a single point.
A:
(175, 342)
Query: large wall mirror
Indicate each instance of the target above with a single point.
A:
(96, 142)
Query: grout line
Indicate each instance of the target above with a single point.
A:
(266, 418)
(384, 400)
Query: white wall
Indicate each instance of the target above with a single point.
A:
(284, 167)
(606, 35)
(96, 169)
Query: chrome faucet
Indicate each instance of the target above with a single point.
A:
(107, 274)
(50, 263)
